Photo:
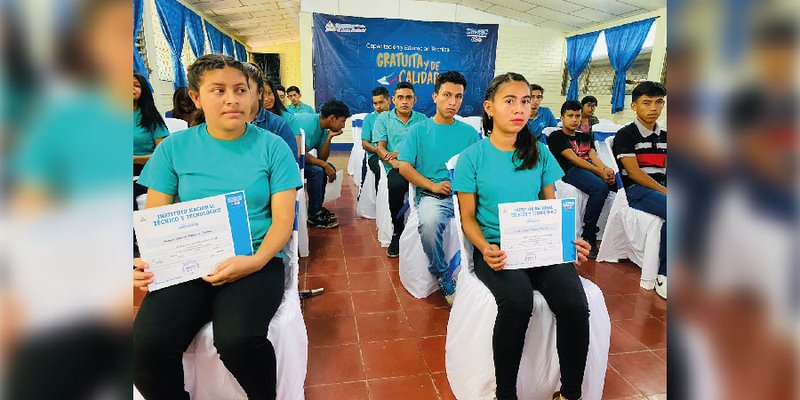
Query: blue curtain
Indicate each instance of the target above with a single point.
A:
(138, 63)
(579, 53)
(197, 39)
(227, 45)
(624, 44)
(214, 38)
(241, 52)
(171, 14)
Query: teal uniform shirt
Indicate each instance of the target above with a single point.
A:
(490, 174)
(367, 127)
(389, 128)
(302, 108)
(144, 141)
(192, 164)
(315, 136)
(429, 146)
(291, 120)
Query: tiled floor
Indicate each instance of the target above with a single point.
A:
(370, 339)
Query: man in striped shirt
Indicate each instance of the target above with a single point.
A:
(641, 152)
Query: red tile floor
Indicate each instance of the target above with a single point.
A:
(369, 339)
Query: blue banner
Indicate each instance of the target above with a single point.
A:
(352, 56)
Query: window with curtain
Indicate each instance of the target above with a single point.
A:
(598, 78)
(141, 46)
(163, 56)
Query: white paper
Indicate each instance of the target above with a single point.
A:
(537, 233)
(333, 190)
(186, 241)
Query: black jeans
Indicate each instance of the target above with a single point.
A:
(398, 187)
(513, 292)
(374, 163)
(170, 318)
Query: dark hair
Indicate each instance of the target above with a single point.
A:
(404, 85)
(588, 99)
(648, 88)
(525, 146)
(278, 107)
(571, 105)
(380, 91)
(181, 96)
(151, 119)
(334, 107)
(536, 86)
(293, 89)
(452, 77)
(209, 62)
(254, 73)
(280, 88)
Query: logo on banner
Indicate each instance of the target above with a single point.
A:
(477, 35)
(345, 28)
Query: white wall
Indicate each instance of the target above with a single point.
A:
(535, 52)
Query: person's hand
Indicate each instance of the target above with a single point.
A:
(233, 269)
(395, 164)
(141, 277)
(390, 156)
(583, 248)
(495, 257)
(441, 188)
(609, 175)
(330, 172)
(334, 133)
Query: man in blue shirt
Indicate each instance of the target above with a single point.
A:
(541, 117)
(260, 117)
(320, 129)
(391, 129)
(295, 105)
(380, 102)
(429, 145)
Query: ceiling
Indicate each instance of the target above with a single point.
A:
(264, 22)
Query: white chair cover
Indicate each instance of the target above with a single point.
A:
(631, 234)
(302, 214)
(606, 126)
(366, 205)
(565, 190)
(175, 124)
(357, 152)
(383, 216)
(550, 129)
(474, 122)
(414, 273)
(468, 350)
(205, 376)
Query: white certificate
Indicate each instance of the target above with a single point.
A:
(537, 233)
(186, 241)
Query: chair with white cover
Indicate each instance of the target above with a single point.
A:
(357, 152)
(383, 216)
(175, 124)
(414, 274)
(474, 121)
(468, 350)
(367, 196)
(631, 233)
(550, 129)
(207, 378)
(302, 215)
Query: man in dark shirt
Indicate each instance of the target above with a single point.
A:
(575, 153)
(641, 152)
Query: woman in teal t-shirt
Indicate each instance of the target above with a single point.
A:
(271, 102)
(149, 129)
(512, 166)
(242, 294)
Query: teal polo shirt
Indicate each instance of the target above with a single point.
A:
(302, 108)
(389, 128)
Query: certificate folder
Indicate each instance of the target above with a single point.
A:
(538, 233)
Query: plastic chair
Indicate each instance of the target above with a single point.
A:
(468, 350)
(366, 205)
(175, 124)
(631, 233)
(357, 152)
(414, 274)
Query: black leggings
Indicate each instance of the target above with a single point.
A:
(398, 187)
(170, 318)
(513, 292)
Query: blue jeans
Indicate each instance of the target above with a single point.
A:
(316, 180)
(597, 190)
(434, 215)
(655, 203)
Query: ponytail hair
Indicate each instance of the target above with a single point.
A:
(526, 149)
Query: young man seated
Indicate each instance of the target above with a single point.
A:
(390, 131)
(429, 145)
(295, 105)
(380, 102)
(589, 104)
(541, 117)
(575, 152)
(320, 129)
(641, 152)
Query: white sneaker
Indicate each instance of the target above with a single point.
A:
(661, 286)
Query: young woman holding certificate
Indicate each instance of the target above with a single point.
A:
(242, 294)
(512, 166)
